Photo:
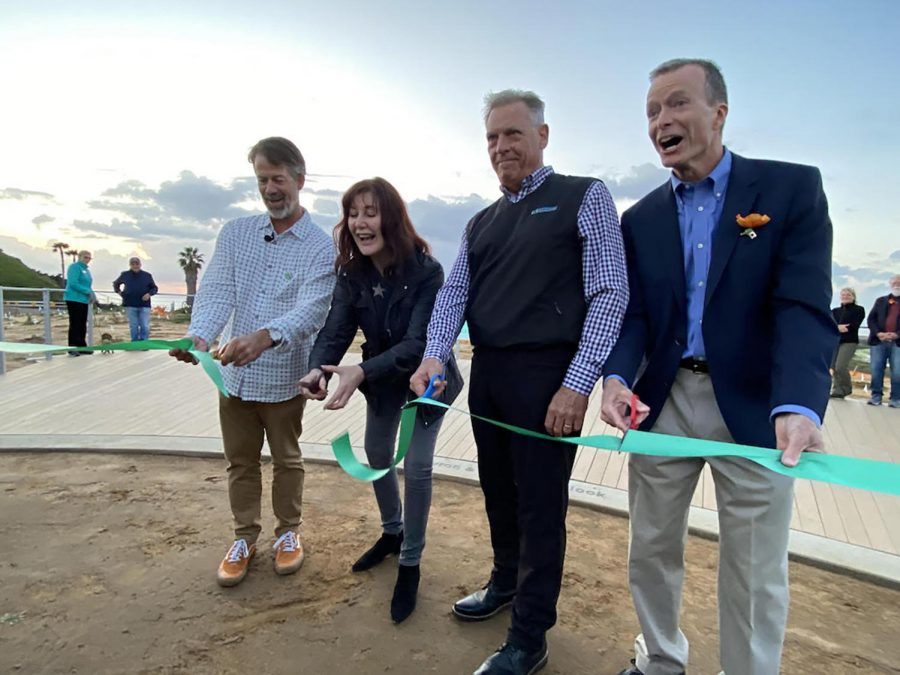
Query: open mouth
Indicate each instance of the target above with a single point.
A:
(668, 143)
(365, 237)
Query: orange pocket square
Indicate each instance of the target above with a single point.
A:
(752, 220)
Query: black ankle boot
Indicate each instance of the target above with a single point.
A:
(387, 544)
(404, 601)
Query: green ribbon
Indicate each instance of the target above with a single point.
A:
(205, 359)
(864, 474)
(854, 472)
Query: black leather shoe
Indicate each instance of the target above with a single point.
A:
(385, 546)
(633, 670)
(483, 604)
(404, 601)
(511, 660)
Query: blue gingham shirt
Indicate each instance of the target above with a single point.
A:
(251, 284)
(604, 276)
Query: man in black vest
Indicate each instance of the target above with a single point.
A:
(541, 280)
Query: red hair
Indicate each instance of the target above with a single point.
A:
(400, 237)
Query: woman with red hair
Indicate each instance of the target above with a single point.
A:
(386, 286)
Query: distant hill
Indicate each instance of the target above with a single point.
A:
(13, 272)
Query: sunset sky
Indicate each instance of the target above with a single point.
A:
(125, 125)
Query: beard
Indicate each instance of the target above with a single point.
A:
(281, 211)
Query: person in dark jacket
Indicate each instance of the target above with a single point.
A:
(884, 343)
(848, 317)
(386, 286)
(136, 287)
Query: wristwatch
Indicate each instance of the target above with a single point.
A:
(276, 336)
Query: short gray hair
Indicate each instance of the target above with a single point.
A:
(280, 152)
(716, 91)
(495, 99)
(851, 291)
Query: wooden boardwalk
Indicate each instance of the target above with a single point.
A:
(149, 394)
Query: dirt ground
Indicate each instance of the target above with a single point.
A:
(108, 565)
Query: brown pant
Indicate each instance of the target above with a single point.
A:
(244, 423)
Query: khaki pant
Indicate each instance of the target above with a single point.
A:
(754, 517)
(840, 364)
(244, 424)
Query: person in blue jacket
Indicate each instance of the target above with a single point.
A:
(78, 296)
(136, 287)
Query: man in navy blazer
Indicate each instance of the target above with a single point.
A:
(728, 337)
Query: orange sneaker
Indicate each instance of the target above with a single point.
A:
(233, 567)
(288, 553)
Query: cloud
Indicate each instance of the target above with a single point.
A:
(149, 229)
(327, 207)
(869, 281)
(441, 222)
(16, 193)
(190, 208)
(190, 197)
(42, 220)
(639, 181)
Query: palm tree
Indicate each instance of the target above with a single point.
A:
(190, 260)
(61, 247)
(74, 253)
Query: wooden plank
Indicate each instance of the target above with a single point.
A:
(98, 395)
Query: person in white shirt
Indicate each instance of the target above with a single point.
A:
(270, 280)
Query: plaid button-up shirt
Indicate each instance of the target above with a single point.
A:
(284, 284)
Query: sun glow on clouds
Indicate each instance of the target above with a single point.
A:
(102, 107)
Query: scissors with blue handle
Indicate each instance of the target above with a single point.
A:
(429, 392)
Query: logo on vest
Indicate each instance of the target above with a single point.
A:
(544, 209)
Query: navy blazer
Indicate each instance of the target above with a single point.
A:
(767, 327)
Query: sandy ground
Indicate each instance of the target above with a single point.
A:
(108, 563)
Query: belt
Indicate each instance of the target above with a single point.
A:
(695, 365)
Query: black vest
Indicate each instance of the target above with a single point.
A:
(525, 268)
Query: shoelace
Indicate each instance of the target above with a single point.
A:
(238, 550)
(289, 539)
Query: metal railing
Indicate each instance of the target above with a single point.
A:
(163, 304)
(48, 302)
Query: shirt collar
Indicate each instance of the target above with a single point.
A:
(718, 176)
(295, 229)
(530, 183)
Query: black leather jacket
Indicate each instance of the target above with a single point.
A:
(388, 364)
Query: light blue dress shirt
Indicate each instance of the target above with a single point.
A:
(699, 210)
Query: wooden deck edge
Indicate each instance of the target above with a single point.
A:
(869, 565)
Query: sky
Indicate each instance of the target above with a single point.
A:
(125, 125)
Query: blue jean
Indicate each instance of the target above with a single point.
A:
(139, 322)
(381, 435)
(881, 355)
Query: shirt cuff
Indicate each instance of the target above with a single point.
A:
(799, 410)
(285, 344)
(436, 352)
(618, 378)
(581, 378)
